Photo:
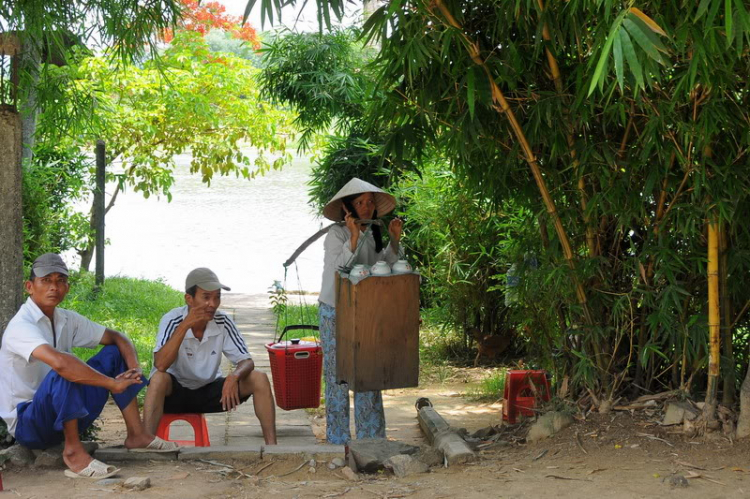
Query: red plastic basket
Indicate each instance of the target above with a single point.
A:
(296, 372)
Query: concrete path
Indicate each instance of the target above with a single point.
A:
(256, 323)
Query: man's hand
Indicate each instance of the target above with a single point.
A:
(197, 316)
(133, 373)
(230, 393)
(119, 384)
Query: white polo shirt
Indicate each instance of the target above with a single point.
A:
(198, 362)
(20, 373)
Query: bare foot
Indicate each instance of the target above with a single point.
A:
(76, 458)
(139, 441)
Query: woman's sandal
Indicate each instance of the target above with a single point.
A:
(96, 470)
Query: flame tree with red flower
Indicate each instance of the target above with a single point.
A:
(204, 17)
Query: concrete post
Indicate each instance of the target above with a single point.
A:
(11, 220)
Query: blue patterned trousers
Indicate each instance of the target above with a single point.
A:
(369, 416)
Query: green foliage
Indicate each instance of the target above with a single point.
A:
(190, 100)
(327, 79)
(641, 138)
(462, 242)
(52, 183)
(193, 100)
(323, 76)
(133, 307)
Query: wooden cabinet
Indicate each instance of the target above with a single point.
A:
(377, 332)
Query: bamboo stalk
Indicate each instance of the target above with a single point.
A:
(714, 320)
(502, 106)
(591, 240)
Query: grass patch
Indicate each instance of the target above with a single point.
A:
(490, 389)
(133, 307)
(439, 348)
(296, 314)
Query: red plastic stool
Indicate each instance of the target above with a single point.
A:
(519, 395)
(197, 421)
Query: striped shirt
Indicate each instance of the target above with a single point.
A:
(199, 361)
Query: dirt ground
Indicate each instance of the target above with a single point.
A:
(618, 455)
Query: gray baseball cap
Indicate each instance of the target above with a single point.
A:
(49, 263)
(205, 279)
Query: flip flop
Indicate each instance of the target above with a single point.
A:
(158, 445)
(96, 470)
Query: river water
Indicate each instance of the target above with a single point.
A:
(241, 229)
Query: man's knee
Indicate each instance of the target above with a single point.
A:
(259, 379)
(161, 383)
(256, 382)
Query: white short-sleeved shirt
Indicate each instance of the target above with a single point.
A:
(337, 248)
(198, 362)
(21, 374)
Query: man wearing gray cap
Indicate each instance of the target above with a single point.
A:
(187, 361)
(47, 395)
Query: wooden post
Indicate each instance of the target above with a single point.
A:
(99, 210)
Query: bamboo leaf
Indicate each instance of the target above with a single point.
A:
(701, 9)
(617, 52)
(652, 37)
(728, 21)
(649, 22)
(631, 57)
(642, 40)
(602, 61)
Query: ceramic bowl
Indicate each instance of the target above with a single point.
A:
(359, 270)
(401, 267)
(380, 268)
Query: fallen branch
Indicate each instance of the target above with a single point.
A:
(295, 470)
(654, 437)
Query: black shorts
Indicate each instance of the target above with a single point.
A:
(205, 399)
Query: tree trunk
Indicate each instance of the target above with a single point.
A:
(11, 220)
(714, 321)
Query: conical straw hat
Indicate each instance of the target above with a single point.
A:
(384, 202)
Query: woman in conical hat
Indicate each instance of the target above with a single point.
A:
(357, 200)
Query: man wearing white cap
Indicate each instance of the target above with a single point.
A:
(47, 395)
(187, 361)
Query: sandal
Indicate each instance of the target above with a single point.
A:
(158, 445)
(96, 470)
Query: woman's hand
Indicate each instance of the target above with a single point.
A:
(351, 224)
(394, 230)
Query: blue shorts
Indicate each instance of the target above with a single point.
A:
(57, 400)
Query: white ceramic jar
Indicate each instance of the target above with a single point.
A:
(401, 267)
(380, 268)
